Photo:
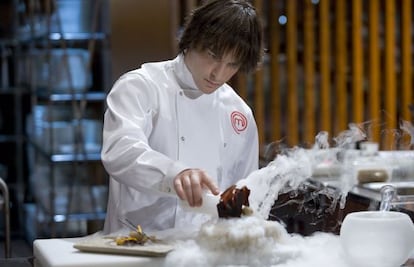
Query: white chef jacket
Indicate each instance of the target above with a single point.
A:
(157, 124)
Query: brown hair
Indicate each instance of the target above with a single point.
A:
(226, 26)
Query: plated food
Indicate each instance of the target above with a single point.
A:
(109, 246)
(137, 237)
(137, 243)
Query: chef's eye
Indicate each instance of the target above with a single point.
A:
(234, 65)
(213, 55)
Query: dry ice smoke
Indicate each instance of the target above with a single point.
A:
(252, 241)
(348, 138)
(288, 170)
(255, 241)
(408, 127)
(321, 140)
(291, 169)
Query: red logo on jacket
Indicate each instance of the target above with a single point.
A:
(238, 121)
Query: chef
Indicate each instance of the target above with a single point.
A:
(175, 130)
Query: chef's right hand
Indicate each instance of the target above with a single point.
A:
(189, 185)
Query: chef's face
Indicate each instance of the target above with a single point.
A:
(209, 70)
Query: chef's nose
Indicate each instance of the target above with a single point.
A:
(219, 72)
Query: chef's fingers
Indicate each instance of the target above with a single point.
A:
(196, 188)
(207, 182)
(178, 186)
(188, 188)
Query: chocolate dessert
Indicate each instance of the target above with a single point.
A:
(233, 202)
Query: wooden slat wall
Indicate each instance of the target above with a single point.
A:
(406, 55)
(292, 136)
(325, 67)
(275, 94)
(407, 94)
(374, 70)
(389, 72)
(309, 69)
(363, 71)
(333, 63)
(340, 88)
(357, 63)
(259, 96)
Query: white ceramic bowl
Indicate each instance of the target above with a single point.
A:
(377, 238)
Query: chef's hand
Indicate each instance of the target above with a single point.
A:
(189, 185)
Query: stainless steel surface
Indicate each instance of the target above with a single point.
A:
(404, 197)
(400, 169)
(404, 188)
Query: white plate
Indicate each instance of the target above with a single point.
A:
(108, 245)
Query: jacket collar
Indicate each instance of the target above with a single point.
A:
(183, 74)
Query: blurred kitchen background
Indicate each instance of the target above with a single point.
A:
(328, 63)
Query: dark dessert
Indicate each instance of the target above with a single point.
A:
(233, 202)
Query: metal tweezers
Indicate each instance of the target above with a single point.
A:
(128, 224)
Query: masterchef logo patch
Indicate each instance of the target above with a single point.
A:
(238, 121)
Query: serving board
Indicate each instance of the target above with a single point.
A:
(108, 245)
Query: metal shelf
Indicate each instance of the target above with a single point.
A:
(79, 216)
(12, 90)
(75, 157)
(55, 147)
(78, 36)
(72, 216)
(66, 157)
(88, 96)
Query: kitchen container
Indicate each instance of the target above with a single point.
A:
(53, 129)
(21, 20)
(61, 136)
(75, 16)
(73, 191)
(377, 238)
(60, 70)
(57, 70)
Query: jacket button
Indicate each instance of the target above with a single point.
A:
(182, 138)
(181, 93)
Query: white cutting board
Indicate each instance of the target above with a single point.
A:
(60, 252)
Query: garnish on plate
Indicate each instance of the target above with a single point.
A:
(135, 237)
